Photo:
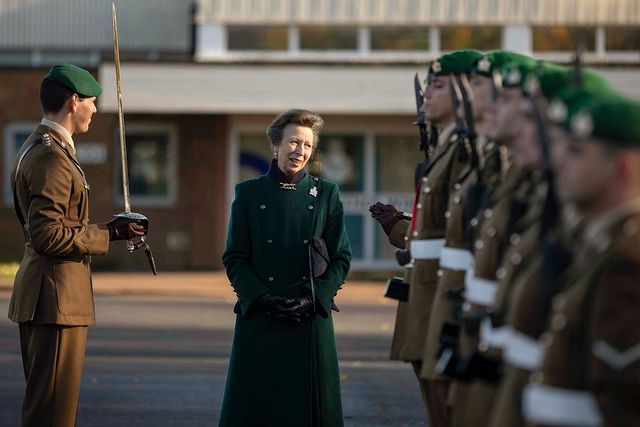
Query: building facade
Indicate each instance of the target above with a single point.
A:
(202, 81)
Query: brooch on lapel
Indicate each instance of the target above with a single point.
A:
(314, 191)
(287, 186)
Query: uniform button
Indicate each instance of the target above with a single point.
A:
(263, 207)
(427, 190)
(456, 200)
(457, 186)
(558, 302)
(488, 213)
(304, 277)
(310, 207)
(546, 339)
(466, 307)
(474, 222)
(316, 179)
(425, 179)
(514, 239)
(269, 241)
(415, 234)
(491, 232)
(479, 244)
(536, 377)
(271, 279)
(406, 239)
(483, 346)
(501, 273)
(516, 258)
(558, 321)
(447, 214)
(439, 273)
(419, 206)
(305, 241)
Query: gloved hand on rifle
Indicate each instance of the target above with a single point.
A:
(386, 215)
(121, 228)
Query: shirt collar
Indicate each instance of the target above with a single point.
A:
(64, 133)
(277, 175)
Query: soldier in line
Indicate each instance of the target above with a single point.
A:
(52, 298)
(477, 178)
(589, 373)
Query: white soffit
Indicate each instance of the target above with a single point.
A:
(232, 89)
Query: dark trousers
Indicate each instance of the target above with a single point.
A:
(53, 358)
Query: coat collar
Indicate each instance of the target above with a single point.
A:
(61, 131)
(287, 182)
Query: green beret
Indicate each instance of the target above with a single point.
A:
(494, 60)
(613, 119)
(460, 61)
(515, 74)
(75, 79)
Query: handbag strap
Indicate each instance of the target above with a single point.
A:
(314, 233)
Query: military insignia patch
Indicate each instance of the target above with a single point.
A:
(314, 191)
(484, 65)
(513, 77)
(436, 67)
(557, 111)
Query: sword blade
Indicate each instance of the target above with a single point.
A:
(123, 145)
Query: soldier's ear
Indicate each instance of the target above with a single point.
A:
(73, 102)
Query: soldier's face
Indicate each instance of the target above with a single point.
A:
(482, 89)
(437, 106)
(84, 111)
(584, 173)
(502, 115)
(526, 141)
(295, 149)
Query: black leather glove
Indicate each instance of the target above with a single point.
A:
(386, 215)
(277, 307)
(302, 306)
(121, 228)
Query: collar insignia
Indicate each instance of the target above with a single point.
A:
(513, 77)
(287, 186)
(314, 191)
(582, 124)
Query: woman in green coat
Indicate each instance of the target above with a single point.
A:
(284, 367)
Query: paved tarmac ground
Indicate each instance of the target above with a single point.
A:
(162, 360)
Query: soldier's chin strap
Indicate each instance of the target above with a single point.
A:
(465, 123)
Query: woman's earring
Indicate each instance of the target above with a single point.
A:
(275, 154)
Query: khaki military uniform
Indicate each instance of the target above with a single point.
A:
(52, 295)
(590, 371)
(471, 402)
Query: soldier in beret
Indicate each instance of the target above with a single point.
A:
(589, 372)
(52, 298)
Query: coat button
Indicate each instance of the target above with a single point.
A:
(514, 239)
(269, 241)
(439, 273)
(488, 213)
(456, 200)
(415, 234)
(310, 207)
(427, 190)
(263, 207)
(457, 186)
(501, 273)
(466, 307)
(447, 214)
(491, 232)
(479, 244)
(516, 258)
(304, 277)
(305, 241)
(316, 179)
(546, 339)
(271, 279)
(425, 179)
(419, 206)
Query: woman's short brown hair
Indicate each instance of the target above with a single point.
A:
(296, 116)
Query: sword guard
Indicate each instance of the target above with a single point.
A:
(140, 243)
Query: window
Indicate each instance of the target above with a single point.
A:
(558, 39)
(481, 38)
(399, 38)
(15, 134)
(257, 37)
(340, 159)
(152, 162)
(328, 38)
(255, 156)
(622, 38)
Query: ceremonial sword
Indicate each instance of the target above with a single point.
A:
(140, 242)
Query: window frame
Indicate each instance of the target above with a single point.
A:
(140, 128)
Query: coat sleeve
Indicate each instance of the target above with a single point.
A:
(614, 361)
(335, 234)
(50, 185)
(237, 255)
(398, 234)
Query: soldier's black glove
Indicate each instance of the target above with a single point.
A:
(386, 215)
(121, 228)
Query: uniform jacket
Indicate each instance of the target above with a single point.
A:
(53, 283)
(591, 346)
(281, 373)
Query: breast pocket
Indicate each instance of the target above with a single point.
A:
(77, 200)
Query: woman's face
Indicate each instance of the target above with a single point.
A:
(437, 105)
(526, 143)
(295, 149)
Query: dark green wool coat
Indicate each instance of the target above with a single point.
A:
(283, 374)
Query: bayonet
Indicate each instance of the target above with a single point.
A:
(132, 245)
(420, 118)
